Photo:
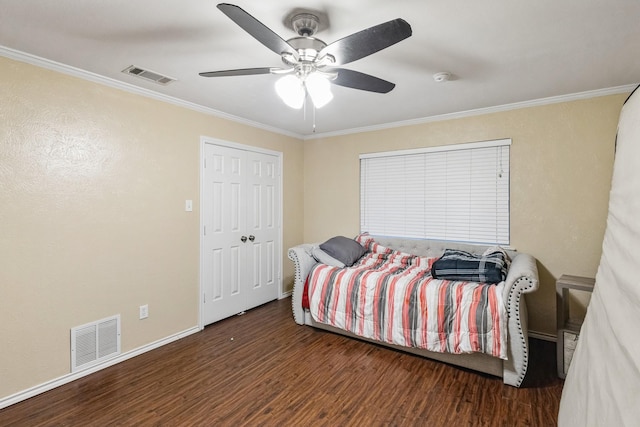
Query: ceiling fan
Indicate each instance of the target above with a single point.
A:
(311, 63)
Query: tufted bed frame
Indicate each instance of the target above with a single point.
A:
(522, 278)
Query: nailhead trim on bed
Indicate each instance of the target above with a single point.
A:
(520, 289)
(298, 278)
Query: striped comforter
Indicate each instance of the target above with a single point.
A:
(390, 296)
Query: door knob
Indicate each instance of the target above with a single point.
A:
(243, 238)
(252, 238)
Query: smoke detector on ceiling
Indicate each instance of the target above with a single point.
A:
(444, 76)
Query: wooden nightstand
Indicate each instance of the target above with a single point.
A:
(568, 328)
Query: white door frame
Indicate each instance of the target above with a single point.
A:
(214, 141)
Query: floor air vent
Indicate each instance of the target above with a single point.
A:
(148, 75)
(95, 342)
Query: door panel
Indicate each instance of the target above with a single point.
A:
(216, 274)
(270, 259)
(256, 281)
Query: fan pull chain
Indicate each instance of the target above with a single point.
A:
(304, 108)
(314, 118)
(313, 112)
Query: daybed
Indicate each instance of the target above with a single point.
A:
(521, 278)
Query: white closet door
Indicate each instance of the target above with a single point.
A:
(263, 245)
(240, 242)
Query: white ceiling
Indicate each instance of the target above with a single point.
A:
(499, 51)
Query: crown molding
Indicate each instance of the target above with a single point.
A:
(107, 81)
(480, 111)
(96, 78)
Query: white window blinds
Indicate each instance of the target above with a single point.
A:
(457, 193)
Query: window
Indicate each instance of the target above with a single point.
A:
(456, 192)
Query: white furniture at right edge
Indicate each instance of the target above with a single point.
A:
(603, 385)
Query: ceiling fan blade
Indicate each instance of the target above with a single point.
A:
(362, 81)
(366, 42)
(240, 72)
(257, 29)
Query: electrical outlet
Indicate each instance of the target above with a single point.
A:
(144, 311)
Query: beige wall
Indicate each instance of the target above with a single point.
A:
(92, 223)
(561, 166)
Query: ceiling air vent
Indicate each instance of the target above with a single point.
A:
(148, 75)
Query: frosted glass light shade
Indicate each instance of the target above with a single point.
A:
(291, 90)
(319, 89)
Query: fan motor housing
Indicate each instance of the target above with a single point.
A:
(307, 47)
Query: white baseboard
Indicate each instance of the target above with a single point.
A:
(285, 295)
(50, 385)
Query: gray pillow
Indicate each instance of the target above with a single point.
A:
(343, 249)
(324, 258)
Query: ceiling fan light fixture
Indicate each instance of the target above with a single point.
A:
(319, 89)
(291, 90)
(312, 60)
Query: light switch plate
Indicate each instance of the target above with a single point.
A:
(188, 205)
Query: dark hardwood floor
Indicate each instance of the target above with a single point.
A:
(263, 369)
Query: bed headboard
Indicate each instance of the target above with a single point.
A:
(430, 248)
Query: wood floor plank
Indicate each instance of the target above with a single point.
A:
(261, 369)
